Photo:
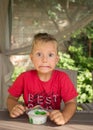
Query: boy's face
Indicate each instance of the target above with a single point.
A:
(44, 57)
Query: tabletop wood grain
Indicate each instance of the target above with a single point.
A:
(80, 121)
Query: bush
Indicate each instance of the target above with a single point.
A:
(84, 77)
(65, 61)
(84, 87)
(17, 71)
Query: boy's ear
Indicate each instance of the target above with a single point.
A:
(57, 59)
(30, 56)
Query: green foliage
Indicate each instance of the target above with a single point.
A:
(79, 52)
(17, 71)
(84, 78)
(84, 88)
(81, 61)
(84, 38)
(89, 30)
(65, 61)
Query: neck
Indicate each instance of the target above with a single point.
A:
(44, 76)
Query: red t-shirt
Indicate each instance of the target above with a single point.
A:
(47, 94)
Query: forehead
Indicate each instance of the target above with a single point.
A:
(48, 44)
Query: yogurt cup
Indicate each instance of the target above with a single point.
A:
(37, 116)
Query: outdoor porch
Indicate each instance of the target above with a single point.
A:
(82, 119)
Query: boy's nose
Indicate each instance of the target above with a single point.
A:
(44, 59)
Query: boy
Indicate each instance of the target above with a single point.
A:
(44, 85)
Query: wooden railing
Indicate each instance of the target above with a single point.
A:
(72, 74)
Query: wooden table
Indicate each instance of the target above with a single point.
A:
(80, 121)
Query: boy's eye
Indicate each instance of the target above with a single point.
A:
(38, 54)
(51, 55)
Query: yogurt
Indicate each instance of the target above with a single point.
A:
(37, 116)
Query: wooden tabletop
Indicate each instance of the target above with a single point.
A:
(80, 121)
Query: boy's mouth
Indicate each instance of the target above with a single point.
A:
(44, 67)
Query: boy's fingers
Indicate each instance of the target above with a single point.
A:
(48, 113)
(17, 110)
(20, 107)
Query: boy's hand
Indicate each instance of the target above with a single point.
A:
(57, 117)
(60, 118)
(17, 110)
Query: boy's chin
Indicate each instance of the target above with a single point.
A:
(45, 71)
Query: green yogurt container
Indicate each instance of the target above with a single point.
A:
(37, 116)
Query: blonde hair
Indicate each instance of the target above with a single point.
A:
(45, 37)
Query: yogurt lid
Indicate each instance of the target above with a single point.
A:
(37, 112)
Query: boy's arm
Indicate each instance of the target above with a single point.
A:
(69, 109)
(11, 102)
(60, 118)
(15, 109)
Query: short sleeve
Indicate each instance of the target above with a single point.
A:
(68, 90)
(17, 87)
